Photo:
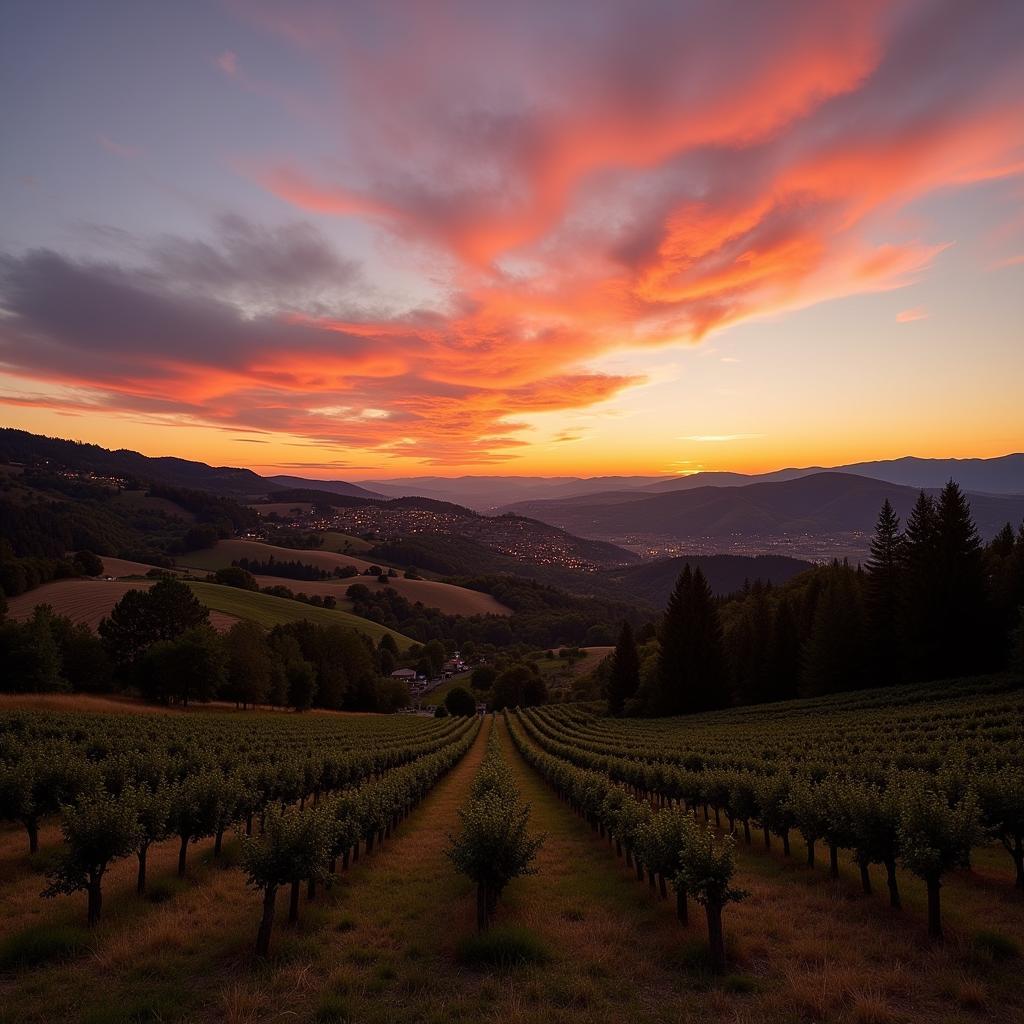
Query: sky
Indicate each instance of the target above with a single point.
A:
(367, 239)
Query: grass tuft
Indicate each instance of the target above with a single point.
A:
(42, 944)
(162, 890)
(995, 945)
(502, 947)
(333, 1009)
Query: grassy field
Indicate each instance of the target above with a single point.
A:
(449, 599)
(272, 611)
(370, 951)
(89, 601)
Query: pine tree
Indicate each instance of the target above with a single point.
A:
(691, 668)
(834, 657)
(785, 651)
(919, 588)
(963, 637)
(882, 596)
(625, 672)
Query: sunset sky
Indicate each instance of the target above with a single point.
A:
(377, 239)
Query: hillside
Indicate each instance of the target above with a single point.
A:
(652, 582)
(821, 503)
(452, 600)
(19, 446)
(88, 601)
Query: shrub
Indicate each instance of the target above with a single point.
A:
(42, 944)
(502, 947)
(996, 945)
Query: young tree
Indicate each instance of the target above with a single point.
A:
(874, 816)
(935, 837)
(98, 829)
(153, 818)
(624, 678)
(706, 873)
(1001, 796)
(493, 845)
(661, 840)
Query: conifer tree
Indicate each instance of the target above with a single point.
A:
(691, 667)
(882, 596)
(625, 672)
(919, 589)
(834, 655)
(962, 637)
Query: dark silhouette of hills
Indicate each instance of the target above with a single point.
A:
(819, 503)
(652, 582)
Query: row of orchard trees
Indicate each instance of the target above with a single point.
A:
(925, 822)
(121, 785)
(493, 845)
(668, 844)
(305, 844)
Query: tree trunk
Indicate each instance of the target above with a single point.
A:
(248, 824)
(1017, 853)
(369, 844)
(618, 848)
(293, 903)
(662, 888)
(767, 838)
(33, 836)
(182, 851)
(934, 911)
(629, 857)
(810, 853)
(95, 900)
(865, 877)
(639, 871)
(355, 852)
(785, 842)
(894, 889)
(746, 831)
(650, 879)
(682, 909)
(344, 859)
(218, 842)
(716, 937)
(833, 860)
(140, 884)
(266, 922)
(482, 920)
(311, 888)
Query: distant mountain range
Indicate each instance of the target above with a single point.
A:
(1001, 475)
(818, 503)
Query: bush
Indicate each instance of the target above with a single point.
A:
(996, 945)
(459, 701)
(502, 947)
(42, 944)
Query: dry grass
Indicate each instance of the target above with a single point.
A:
(382, 945)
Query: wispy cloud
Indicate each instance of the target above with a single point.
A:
(119, 149)
(716, 438)
(908, 316)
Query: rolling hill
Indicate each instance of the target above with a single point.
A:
(820, 503)
(88, 601)
(450, 599)
(652, 582)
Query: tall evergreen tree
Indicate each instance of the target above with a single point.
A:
(834, 658)
(963, 634)
(625, 673)
(785, 650)
(750, 642)
(882, 597)
(919, 588)
(691, 667)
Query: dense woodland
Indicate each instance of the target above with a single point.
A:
(930, 602)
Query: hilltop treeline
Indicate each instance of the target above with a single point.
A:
(543, 616)
(930, 602)
(159, 643)
(38, 525)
